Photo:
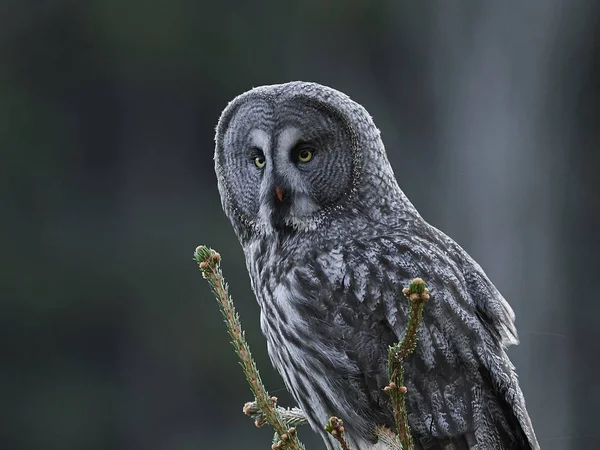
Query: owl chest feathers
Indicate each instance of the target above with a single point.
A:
(288, 311)
(305, 337)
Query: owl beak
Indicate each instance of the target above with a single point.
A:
(279, 193)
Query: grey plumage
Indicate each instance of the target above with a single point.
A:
(328, 254)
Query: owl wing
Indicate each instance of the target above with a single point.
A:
(462, 389)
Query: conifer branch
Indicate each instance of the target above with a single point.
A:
(209, 262)
(335, 427)
(388, 437)
(290, 416)
(417, 294)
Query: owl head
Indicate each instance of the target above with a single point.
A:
(289, 157)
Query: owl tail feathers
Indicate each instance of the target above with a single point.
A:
(501, 419)
(487, 439)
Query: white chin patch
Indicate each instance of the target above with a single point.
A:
(302, 215)
(303, 206)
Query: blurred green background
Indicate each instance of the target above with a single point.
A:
(490, 112)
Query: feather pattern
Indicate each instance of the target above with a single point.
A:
(328, 266)
(347, 306)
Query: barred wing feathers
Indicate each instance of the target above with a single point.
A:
(462, 388)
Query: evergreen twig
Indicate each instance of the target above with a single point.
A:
(417, 294)
(335, 427)
(209, 263)
(388, 437)
(291, 416)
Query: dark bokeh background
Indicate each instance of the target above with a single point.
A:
(490, 112)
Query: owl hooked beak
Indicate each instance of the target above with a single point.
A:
(281, 204)
(279, 193)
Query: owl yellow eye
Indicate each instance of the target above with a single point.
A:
(259, 162)
(305, 155)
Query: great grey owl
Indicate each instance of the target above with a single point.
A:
(330, 240)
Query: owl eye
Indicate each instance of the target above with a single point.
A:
(305, 155)
(259, 161)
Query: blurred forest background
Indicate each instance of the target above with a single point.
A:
(490, 112)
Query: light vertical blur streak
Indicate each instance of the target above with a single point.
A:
(491, 71)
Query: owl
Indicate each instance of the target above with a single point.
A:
(330, 240)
